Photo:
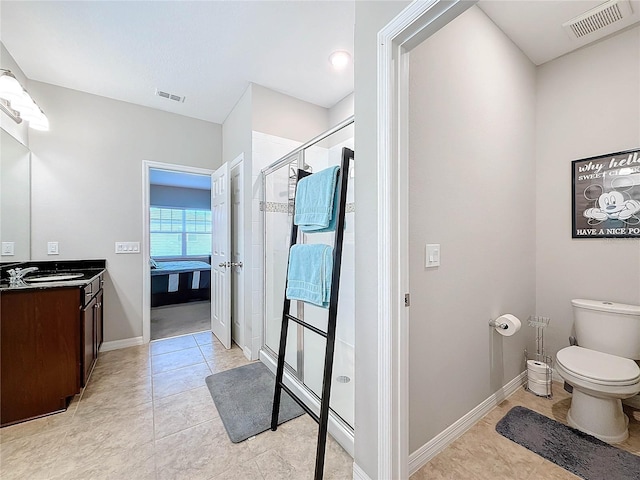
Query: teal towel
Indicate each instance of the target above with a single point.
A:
(317, 201)
(309, 275)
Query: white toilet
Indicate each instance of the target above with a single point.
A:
(602, 370)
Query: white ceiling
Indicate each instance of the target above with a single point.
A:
(207, 51)
(536, 25)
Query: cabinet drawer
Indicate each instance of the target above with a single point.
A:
(91, 290)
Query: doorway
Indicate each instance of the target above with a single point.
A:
(177, 231)
(180, 251)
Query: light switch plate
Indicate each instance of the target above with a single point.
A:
(8, 248)
(52, 248)
(127, 247)
(432, 255)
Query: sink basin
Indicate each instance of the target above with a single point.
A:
(58, 277)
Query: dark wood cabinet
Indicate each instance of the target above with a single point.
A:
(49, 342)
(92, 334)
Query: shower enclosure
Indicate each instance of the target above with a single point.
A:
(305, 350)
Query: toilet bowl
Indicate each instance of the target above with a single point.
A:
(602, 369)
(600, 382)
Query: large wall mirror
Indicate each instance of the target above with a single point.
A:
(15, 198)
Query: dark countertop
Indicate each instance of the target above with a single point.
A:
(89, 269)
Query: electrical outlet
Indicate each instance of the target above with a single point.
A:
(127, 247)
(8, 248)
(52, 248)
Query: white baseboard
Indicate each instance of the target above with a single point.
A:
(359, 473)
(338, 429)
(124, 343)
(420, 457)
(247, 352)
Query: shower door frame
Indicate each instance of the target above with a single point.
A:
(338, 428)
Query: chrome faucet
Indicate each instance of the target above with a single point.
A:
(16, 275)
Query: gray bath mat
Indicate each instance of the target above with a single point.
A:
(244, 398)
(573, 450)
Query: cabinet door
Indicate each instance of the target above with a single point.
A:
(99, 317)
(89, 338)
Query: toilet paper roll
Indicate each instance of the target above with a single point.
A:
(512, 322)
(537, 366)
(537, 377)
(539, 388)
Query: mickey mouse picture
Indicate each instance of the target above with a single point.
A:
(613, 205)
(606, 196)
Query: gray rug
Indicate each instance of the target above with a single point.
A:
(244, 398)
(573, 450)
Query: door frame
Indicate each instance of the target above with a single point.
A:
(147, 165)
(411, 27)
(238, 164)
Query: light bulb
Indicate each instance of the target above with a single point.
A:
(41, 122)
(10, 88)
(339, 59)
(25, 105)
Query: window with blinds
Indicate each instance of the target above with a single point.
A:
(179, 232)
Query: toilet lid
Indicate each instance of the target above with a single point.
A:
(598, 367)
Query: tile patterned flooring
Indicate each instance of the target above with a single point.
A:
(483, 454)
(146, 414)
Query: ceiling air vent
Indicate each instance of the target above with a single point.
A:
(170, 96)
(598, 19)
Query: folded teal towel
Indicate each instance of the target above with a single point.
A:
(317, 201)
(309, 275)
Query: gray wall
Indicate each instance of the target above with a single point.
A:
(472, 190)
(165, 196)
(588, 104)
(370, 18)
(284, 116)
(87, 184)
(341, 110)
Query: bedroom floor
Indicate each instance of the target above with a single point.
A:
(181, 319)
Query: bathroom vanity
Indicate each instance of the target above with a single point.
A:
(50, 335)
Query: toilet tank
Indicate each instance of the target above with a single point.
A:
(608, 327)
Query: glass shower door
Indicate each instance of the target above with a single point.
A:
(305, 350)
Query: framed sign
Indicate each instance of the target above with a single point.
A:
(606, 196)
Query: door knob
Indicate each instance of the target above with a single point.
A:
(223, 264)
(235, 264)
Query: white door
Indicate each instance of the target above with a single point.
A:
(237, 272)
(220, 255)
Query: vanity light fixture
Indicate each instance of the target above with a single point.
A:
(339, 59)
(16, 102)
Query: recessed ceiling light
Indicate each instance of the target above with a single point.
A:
(339, 59)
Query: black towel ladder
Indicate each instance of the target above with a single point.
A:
(330, 334)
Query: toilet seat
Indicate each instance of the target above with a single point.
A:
(597, 367)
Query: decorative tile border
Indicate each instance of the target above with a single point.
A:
(287, 207)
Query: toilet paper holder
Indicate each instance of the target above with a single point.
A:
(496, 324)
